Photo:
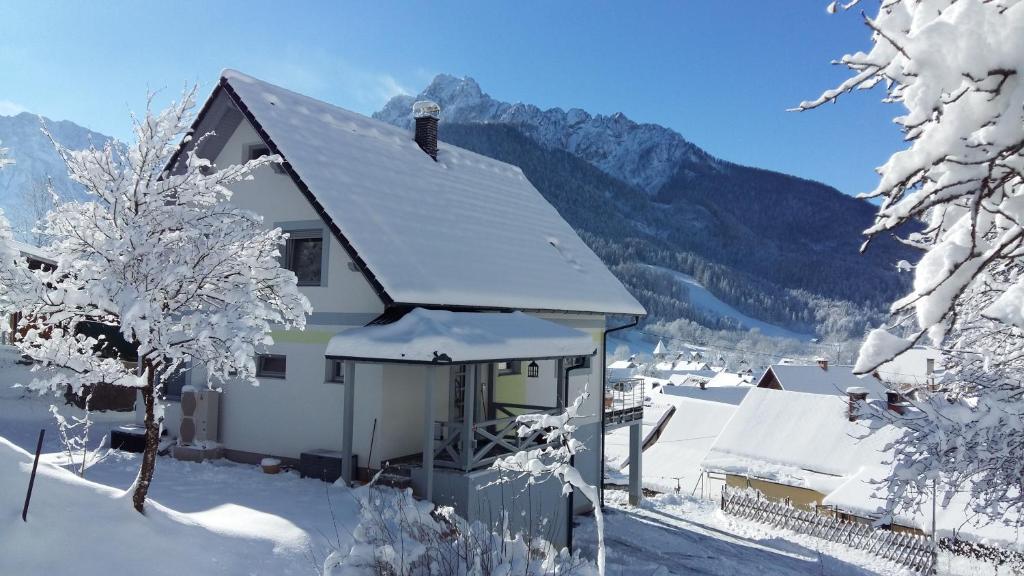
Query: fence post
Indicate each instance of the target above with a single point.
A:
(32, 478)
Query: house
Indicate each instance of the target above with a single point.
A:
(809, 450)
(820, 378)
(919, 368)
(449, 297)
(680, 427)
(623, 369)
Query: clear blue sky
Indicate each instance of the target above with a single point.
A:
(721, 73)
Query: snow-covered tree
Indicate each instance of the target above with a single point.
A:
(162, 257)
(957, 193)
(554, 460)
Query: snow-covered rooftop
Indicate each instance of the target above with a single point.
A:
(797, 439)
(465, 230)
(813, 379)
(31, 251)
(441, 336)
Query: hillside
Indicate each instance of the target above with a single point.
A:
(781, 249)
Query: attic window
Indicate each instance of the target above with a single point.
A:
(304, 256)
(254, 151)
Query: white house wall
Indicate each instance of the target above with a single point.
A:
(284, 417)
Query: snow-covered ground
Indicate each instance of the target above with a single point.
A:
(672, 534)
(703, 299)
(226, 518)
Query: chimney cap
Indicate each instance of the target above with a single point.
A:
(857, 391)
(426, 109)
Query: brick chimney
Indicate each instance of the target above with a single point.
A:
(427, 114)
(822, 362)
(895, 402)
(855, 396)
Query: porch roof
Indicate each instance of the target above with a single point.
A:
(441, 337)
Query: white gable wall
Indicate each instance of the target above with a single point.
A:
(284, 417)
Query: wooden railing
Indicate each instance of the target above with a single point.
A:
(490, 439)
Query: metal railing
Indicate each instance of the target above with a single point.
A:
(490, 439)
(624, 401)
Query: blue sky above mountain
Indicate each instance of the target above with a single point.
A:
(720, 80)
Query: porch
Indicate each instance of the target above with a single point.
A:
(470, 373)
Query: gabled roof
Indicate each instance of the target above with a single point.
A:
(443, 337)
(812, 379)
(798, 439)
(464, 231)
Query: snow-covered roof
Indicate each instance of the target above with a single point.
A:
(724, 379)
(660, 348)
(31, 251)
(622, 365)
(690, 378)
(813, 379)
(442, 336)
(797, 439)
(466, 230)
(732, 395)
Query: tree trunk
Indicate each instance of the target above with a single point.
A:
(152, 443)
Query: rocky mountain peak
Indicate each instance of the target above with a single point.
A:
(644, 155)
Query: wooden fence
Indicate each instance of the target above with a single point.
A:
(909, 550)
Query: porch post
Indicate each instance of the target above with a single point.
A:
(428, 436)
(469, 403)
(348, 424)
(636, 454)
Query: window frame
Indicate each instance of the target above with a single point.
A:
(513, 368)
(304, 230)
(250, 149)
(334, 371)
(262, 373)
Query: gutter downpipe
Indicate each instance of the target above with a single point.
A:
(572, 459)
(604, 383)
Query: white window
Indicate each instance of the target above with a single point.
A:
(335, 371)
(508, 368)
(304, 254)
(271, 365)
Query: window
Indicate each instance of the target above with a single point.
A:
(581, 362)
(270, 365)
(254, 151)
(304, 256)
(508, 368)
(174, 383)
(335, 371)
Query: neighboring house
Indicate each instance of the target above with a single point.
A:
(805, 449)
(919, 368)
(623, 370)
(819, 378)
(680, 427)
(448, 297)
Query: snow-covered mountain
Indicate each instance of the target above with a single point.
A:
(644, 155)
(35, 160)
(778, 248)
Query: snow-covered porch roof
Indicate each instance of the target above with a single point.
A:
(444, 337)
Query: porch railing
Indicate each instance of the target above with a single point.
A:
(624, 401)
(490, 440)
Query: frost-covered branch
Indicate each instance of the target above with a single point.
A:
(554, 461)
(955, 68)
(162, 257)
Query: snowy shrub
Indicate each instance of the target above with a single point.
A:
(73, 433)
(554, 460)
(954, 66)
(398, 535)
